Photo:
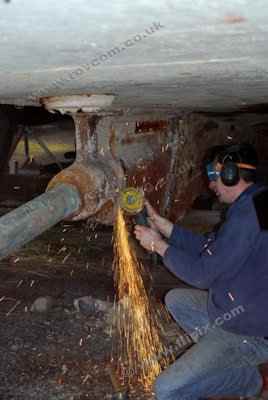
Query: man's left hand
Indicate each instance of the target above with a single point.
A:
(150, 239)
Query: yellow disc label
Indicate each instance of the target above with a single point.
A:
(131, 200)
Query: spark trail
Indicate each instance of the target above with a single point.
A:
(138, 350)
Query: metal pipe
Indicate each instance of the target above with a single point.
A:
(22, 225)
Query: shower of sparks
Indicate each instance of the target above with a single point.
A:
(13, 308)
(66, 258)
(19, 283)
(138, 351)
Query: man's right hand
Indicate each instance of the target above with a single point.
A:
(158, 223)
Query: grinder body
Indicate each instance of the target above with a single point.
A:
(132, 202)
(141, 217)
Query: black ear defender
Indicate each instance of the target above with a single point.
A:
(230, 173)
(232, 162)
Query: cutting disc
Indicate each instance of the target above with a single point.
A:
(131, 200)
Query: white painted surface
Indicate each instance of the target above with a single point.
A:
(205, 54)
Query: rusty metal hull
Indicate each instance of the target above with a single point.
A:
(30, 220)
(161, 156)
(166, 160)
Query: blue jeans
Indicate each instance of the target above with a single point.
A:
(220, 363)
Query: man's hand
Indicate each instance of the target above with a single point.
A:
(158, 223)
(150, 239)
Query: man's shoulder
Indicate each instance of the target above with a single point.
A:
(249, 212)
(260, 202)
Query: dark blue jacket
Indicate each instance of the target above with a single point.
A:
(232, 264)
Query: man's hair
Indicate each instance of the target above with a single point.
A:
(238, 153)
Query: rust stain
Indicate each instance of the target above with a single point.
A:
(86, 182)
(141, 137)
(234, 19)
(106, 214)
(75, 176)
(151, 126)
(97, 183)
(86, 136)
(182, 201)
(151, 177)
(112, 142)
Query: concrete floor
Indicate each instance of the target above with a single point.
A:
(60, 354)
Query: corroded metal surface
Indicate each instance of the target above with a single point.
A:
(98, 183)
(162, 157)
(166, 162)
(195, 135)
(151, 176)
(97, 177)
(85, 136)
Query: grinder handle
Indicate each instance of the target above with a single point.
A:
(141, 217)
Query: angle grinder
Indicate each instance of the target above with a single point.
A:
(131, 201)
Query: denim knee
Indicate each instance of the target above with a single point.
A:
(190, 298)
(177, 298)
(162, 388)
(166, 387)
(171, 298)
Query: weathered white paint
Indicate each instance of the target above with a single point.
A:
(203, 54)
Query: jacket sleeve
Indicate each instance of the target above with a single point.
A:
(186, 240)
(229, 251)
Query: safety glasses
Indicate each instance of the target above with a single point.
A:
(212, 174)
